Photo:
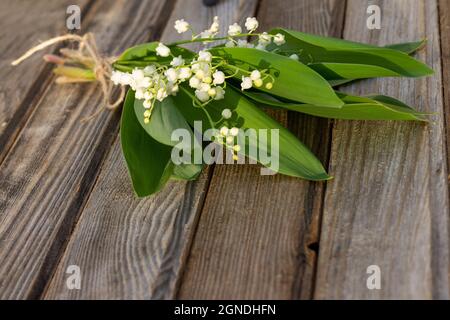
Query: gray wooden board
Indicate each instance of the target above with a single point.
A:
(388, 203)
(22, 25)
(49, 172)
(131, 248)
(257, 234)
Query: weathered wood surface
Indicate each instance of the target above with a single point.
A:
(49, 172)
(444, 9)
(388, 203)
(66, 199)
(20, 91)
(256, 234)
(131, 248)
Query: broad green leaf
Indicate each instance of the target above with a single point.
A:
(341, 44)
(186, 171)
(407, 47)
(144, 54)
(336, 83)
(293, 80)
(148, 51)
(355, 108)
(295, 159)
(147, 160)
(341, 71)
(316, 49)
(139, 52)
(165, 119)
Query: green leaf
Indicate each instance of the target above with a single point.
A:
(340, 71)
(144, 54)
(139, 52)
(316, 49)
(293, 80)
(295, 159)
(408, 47)
(165, 118)
(187, 171)
(355, 108)
(147, 160)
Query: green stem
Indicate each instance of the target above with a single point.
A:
(237, 70)
(211, 122)
(74, 72)
(212, 39)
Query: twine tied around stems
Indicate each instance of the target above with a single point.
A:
(84, 64)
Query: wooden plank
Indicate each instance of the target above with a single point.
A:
(444, 9)
(388, 203)
(256, 234)
(51, 168)
(135, 249)
(21, 26)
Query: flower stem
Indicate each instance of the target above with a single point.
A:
(211, 122)
(212, 39)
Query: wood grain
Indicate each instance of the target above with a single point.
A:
(444, 9)
(50, 170)
(135, 249)
(388, 203)
(21, 26)
(257, 234)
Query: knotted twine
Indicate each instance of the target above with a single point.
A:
(87, 48)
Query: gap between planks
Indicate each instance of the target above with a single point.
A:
(392, 210)
(169, 218)
(35, 93)
(444, 27)
(66, 234)
(231, 257)
(41, 260)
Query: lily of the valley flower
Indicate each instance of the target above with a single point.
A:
(264, 39)
(241, 43)
(162, 50)
(219, 77)
(251, 24)
(255, 75)
(230, 44)
(234, 131)
(204, 56)
(246, 83)
(202, 95)
(234, 30)
(184, 73)
(215, 25)
(256, 78)
(181, 26)
(172, 75)
(279, 39)
(220, 93)
(177, 61)
(230, 135)
(226, 113)
(194, 82)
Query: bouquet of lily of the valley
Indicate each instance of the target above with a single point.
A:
(185, 109)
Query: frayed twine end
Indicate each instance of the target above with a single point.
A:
(94, 67)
